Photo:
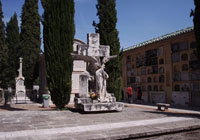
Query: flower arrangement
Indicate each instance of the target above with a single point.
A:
(93, 96)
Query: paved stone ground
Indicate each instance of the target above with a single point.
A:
(190, 135)
(135, 121)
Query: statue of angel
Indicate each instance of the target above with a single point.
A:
(101, 78)
(96, 67)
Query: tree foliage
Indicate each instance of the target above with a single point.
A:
(59, 30)
(13, 42)
(196, 21)
(106, 11)
(3, 53)
(30, 40)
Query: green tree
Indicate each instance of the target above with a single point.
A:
(13, 42)
(196, 21)
(30, 40)
(106, 10)
(59, 30)
(3, 53)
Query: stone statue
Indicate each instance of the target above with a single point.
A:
(97, 71)
(101, 77)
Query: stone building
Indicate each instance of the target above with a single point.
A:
(166, 68)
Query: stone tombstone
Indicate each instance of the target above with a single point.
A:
(83, 84)
(20, 81)
(20, 93)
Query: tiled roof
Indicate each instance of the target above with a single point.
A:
(167, 36)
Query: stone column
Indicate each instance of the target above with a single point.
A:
(20, 67)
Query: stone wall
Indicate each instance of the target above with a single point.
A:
(157, 97)
(145, 96)
(180, 98)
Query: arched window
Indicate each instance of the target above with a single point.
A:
(193, 56)
(185, 67)
(155, 88)
(128, 58)
(143, 88)
(143, 71)
(133, 59)
(149, 80)
(161, 88)
(161, 78)
(149, 88)
(149, 71)
(161, 61)
(184, 57)
(193, 45)
(176, 68)
(155, 79)
(185, 87)
(161, 70)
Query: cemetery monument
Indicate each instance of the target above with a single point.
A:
(93, 95)
(20, 92)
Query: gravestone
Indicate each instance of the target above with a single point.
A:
(83, 83)
(20, 92)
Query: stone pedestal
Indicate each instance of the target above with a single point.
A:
(89, 105)
(113, 106)
(21, 98)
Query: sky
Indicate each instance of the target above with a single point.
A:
(138, 20)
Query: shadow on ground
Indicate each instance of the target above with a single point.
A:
(10, 108)
(74, 110)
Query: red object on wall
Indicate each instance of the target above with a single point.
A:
(129, 90)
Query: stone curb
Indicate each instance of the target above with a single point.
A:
(154, 107)
(151, 134)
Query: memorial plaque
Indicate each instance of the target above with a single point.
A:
(20, 94)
